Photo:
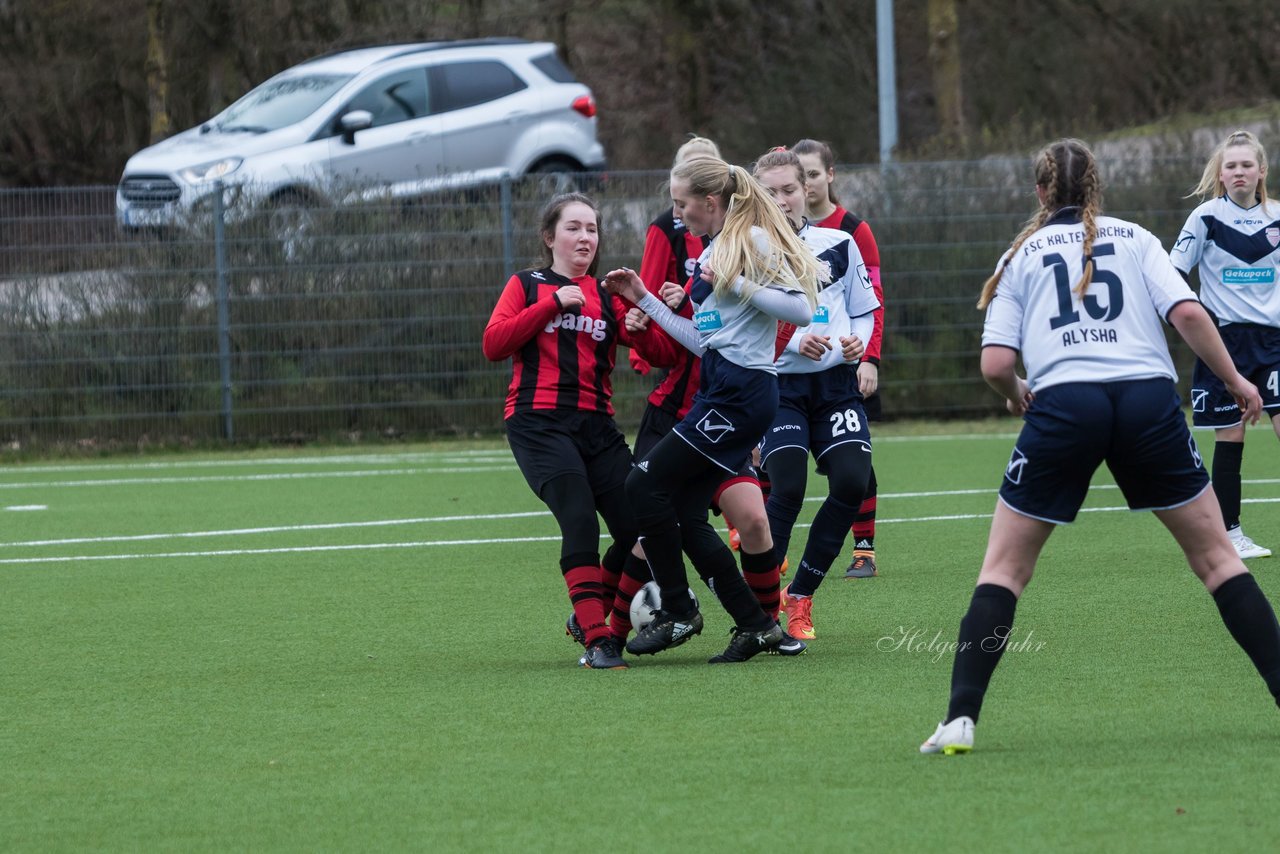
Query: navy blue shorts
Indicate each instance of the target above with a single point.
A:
(817, 412)
(1255, 350)
(550, 443)
(1136, 427)
(730, 412)
(656, 423)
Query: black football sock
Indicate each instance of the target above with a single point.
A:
(1252, 622)
(1227, 458)
(983, 633)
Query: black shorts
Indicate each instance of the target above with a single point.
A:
(1255, 351)
(656, 423)
(1136, 426)
(554, 442)
(817, 412)
(871, 405)
(730, 413)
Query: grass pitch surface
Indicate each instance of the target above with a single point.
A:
(363, 650)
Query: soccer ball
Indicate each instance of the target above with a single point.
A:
(647, 600)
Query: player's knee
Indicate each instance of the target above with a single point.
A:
(753, 528)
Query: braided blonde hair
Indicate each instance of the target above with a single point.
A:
(1067, 175)
(791, 264)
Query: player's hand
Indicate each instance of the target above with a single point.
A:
(868, 378)
(625, 283)
(1018, 406)
(1247, 398)
(708, 275)
(851, 348)
(636, 321)
(571, 297)
(672, 294)
(814, 346)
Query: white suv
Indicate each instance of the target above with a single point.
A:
(404, 119)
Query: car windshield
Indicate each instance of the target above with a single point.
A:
(279, 103)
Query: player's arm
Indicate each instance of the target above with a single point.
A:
(658, 263)
(626, 284)
(999, 369)
(647, 340)
(513, 324)
(866, 243)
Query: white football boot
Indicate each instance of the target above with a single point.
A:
(951, 738)
(1246, 547)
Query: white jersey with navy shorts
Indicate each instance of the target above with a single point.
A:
(1238, 252)
(819, 404)
(1099, 367)
(738, 385)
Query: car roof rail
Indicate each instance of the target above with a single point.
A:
(422, 47)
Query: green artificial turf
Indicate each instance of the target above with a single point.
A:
(288, 679)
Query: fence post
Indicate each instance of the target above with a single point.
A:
(508, 236)
(224, 311)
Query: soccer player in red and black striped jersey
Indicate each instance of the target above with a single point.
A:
(824, 211)
(561, 330)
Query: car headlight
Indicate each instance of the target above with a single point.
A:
(207, 172)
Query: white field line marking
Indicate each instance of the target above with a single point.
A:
(215, 478)
(426, 457)
(373, 458)
(474, 542)
(25, 507)
(482, 517)
(275, 529)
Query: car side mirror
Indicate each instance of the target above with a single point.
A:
(356, 120)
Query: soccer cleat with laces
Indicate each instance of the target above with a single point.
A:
(747, 643)
(1246, 547)
(666, 630)
(604, 654)
(863, 565)
(951, 738)
(799, 610)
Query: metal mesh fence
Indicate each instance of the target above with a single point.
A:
(295, 321)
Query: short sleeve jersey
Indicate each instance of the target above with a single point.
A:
(736, 329)
(846, 292)
(1115, 332)
(1238, 251)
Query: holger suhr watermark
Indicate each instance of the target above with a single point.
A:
(917, 640)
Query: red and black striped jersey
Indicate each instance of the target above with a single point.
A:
(670, 252)
(866, 243)
(560, 359)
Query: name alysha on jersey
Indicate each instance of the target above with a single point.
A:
(1031, 247)
(580, 322)
(1089, 335)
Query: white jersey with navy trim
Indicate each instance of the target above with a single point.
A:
(742, 333)
(1238, 250)
(1115, 332)
(846, 292)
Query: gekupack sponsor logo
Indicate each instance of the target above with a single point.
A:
(597, 327)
